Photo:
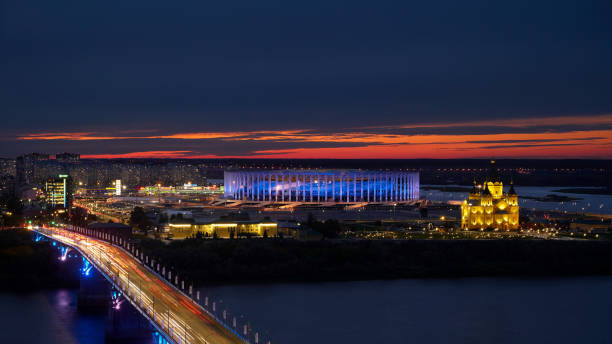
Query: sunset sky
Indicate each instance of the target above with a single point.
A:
(320, 79)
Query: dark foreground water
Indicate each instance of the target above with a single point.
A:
(47, 317)
(488, 310)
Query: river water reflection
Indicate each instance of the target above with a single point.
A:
(475, 310)
(593, 204)
(47, 317)
(488, 310)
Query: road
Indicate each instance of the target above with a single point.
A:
(172, 311)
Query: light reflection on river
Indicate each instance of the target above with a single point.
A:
(47, 317)
(477, 310)
(495, 310)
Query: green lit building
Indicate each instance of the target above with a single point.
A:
(58, 191)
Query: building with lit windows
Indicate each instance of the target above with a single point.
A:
(28, 169)
(222, 228)
(488, 207)
(322, 186)
(58, 191)
(67, 157)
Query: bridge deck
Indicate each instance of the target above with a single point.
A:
(171, 311)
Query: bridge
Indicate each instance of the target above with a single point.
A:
(171, 311)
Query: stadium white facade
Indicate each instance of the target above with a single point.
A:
(321, 186)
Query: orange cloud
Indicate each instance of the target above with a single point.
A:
(140, 155)
(592, 138)
(436, 151)
(88, 136)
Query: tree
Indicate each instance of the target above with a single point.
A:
(329, 229)
(139, 219)
(79, 216)
(310, 221)
(14, 207)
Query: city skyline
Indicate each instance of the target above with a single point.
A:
(268, 172)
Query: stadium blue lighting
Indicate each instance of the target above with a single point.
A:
(320, 186)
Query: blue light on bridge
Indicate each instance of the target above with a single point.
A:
(64, 251)
(86, 267)
(160, 338)
(116, 299)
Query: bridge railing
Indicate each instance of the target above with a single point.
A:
(128, 291)
(239, 326)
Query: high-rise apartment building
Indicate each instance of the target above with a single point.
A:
(7, 167)
(58, 191)
(26, 167)
(67, 157)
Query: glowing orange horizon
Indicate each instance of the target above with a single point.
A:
(426, 151)
(592, 142)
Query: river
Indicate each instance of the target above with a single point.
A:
(584, 203)
(471, 310)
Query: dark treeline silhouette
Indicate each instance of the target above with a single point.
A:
(139, 220)
(329, 228)
(29, 265)
(271, 260)
(13, 216)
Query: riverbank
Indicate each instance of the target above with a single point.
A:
(553, 198)
(449, 188)
(275, 260)
(587, 191)
(26, 265)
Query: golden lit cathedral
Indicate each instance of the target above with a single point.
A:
(488, 207)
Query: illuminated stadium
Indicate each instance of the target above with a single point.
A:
(322, 186)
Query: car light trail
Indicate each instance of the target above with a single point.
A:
(169, 310)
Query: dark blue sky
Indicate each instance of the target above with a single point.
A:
(195, 66)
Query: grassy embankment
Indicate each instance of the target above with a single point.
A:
(276, 260)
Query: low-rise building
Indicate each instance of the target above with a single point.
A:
(185, 228)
